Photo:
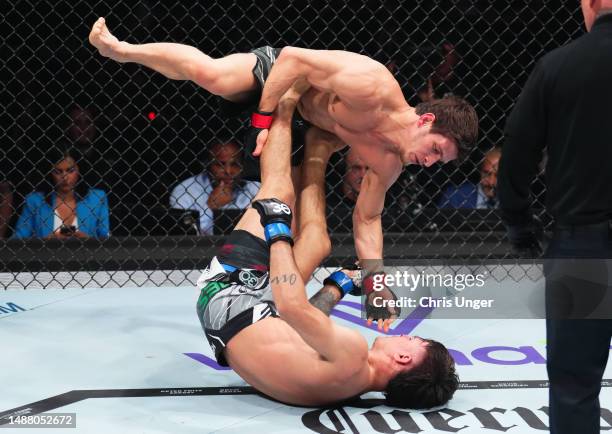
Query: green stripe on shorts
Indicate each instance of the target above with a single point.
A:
(209, 291)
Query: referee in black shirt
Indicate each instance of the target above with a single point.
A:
(566, 106)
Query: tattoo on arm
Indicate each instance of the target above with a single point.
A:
(326, 299)
(284, 278)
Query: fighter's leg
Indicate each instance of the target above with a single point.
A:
(296, 179)
(312, 243)
(275, 168)
(230, 77)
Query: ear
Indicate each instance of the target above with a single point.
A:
(402, 358)
(426, 118)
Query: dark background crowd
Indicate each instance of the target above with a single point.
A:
(93, 149)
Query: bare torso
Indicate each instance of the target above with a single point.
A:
(272, 357)
(369, 133)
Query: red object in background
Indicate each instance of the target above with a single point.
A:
(151, 116)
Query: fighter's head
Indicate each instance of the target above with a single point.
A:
(420, 373)
(446, 130)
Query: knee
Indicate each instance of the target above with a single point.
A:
(281, 192)
(322, 243)
(317, 237)
(208, 74)
(325, 245)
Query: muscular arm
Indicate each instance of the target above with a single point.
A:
(360, 82)
(333, 342)
(367, 222)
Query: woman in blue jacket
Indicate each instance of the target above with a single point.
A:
(64, 206)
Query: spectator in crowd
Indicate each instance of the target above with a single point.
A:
(442, 80)
(426, 93)
(82, 129)
(476, 196)
(82, 134)
(219, 187)
(400, 199)
(343, 186)
(6, 207)
(443, 75)
(353, 176)
(64, 206)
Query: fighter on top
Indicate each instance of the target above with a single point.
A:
(351, 95)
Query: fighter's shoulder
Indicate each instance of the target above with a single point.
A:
(387, 168)
(357, 63)
(352, 341)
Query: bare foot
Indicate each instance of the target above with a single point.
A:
(107, 44)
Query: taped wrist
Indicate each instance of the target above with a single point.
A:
(260, 119)
(340, 281)
(278, 232)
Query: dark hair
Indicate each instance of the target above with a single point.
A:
(55, 155)
(455, 119)
(430, 384)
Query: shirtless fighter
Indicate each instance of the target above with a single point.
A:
(259, 320)
(352, 96)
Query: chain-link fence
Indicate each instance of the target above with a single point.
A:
(149, 146)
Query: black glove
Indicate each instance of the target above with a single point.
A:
(526, 239)
(259, 121)
(356, 281)
(381, 312)
(276, 219)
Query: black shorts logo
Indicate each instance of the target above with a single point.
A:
(252, 279)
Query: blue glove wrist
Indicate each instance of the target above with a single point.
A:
(275, 231)
(341, 281)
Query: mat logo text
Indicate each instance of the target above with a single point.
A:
(11, 308)
(364, 419)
